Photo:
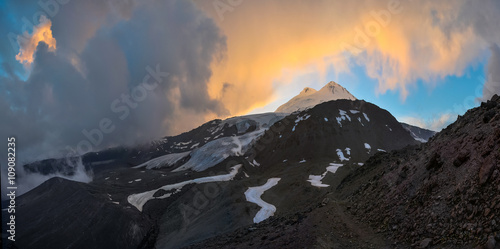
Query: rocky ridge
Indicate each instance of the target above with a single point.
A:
(444, 193)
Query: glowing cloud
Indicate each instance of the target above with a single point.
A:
(397, 42)
(28, 43)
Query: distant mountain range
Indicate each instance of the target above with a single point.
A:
(221, 183)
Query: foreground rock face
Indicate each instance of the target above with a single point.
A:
(445, 192)
(76, 216)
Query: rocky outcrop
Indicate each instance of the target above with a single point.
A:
(445, 192)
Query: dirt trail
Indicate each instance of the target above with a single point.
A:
(336, 229)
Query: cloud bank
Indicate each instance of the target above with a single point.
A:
(397, 42)
(221, 59)
(123, 72)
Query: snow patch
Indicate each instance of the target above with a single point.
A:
(255, 163)
(341, 155)
(354, 111)
(253, 194)
(138, 200)
(338, 121)
(366, 117)
(348, 151)
(343, 115)
(359, 119)
(300, 118)
(315, 180)
(326, 119)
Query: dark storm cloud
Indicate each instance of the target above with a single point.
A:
(492, 85)
(105, 49)
(485, 20)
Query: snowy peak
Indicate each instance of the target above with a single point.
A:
(307, 91)
(336, 89)
(309, 97)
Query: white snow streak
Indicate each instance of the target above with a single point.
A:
(138, 200)
(253, 194)
(366, 117)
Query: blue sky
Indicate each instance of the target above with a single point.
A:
(425, 106)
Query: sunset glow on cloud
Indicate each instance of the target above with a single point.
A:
(29, 42)
(398, 42)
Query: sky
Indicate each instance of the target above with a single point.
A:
(83, 75)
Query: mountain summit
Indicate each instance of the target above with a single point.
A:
(310, 97)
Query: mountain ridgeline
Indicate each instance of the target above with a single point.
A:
(325, 170)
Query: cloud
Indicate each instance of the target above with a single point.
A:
(398, 43)
(219, 66)
(492, 85)
(435, 123)
(106, 53)
(29, 42)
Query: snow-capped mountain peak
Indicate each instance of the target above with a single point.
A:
(309, 97)
(308, 91)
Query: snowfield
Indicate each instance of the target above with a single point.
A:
(253, 194)
(138, 200)
(163, 161)
(217, 150)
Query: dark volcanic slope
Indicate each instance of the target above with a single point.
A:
(446, 192)
(419, 133)
(331, 126)
(84, 218)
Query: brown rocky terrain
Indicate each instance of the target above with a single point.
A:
(444, 193)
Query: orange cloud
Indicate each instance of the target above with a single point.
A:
(397, 41)
(28, 43)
